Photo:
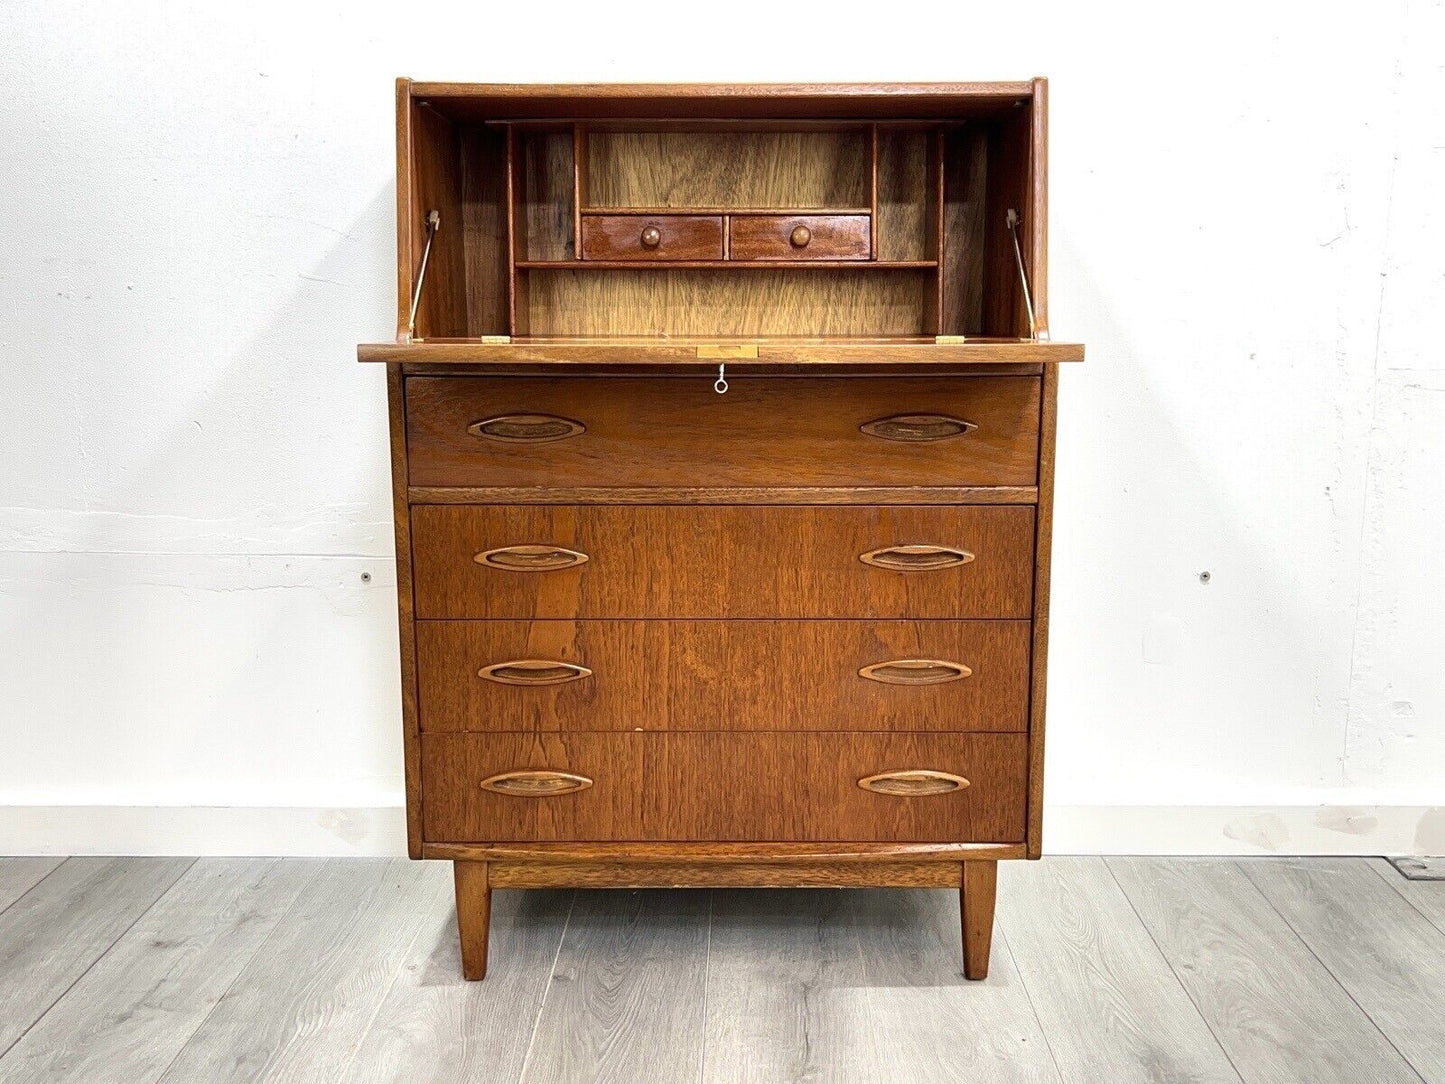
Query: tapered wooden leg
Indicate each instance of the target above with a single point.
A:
(975, 905)
(474, 916)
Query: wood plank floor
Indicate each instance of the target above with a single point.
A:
(1109, 970)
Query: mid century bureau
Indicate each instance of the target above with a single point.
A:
(722, 429)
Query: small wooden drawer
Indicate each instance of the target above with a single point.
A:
(646, 561)
(724, 787)
(652, 237)
(766, 431)
(553, 675)
(799, 237)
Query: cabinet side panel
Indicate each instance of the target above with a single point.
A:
(1038, 209)
(1043, 545)
(403, 209)
(411, 748)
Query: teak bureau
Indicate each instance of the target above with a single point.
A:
(722, 428)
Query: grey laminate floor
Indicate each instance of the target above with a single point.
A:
(1107, 970)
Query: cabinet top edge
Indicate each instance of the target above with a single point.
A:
(525, 101)
(723, 91)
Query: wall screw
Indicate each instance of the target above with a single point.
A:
(1204, 577)
(366, 577)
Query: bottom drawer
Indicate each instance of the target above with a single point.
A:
(722, 787)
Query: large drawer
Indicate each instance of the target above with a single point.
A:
(723, 675)
(532, 561)
(766, 431)
(722, 787)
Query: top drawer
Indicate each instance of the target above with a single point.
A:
(766, 431)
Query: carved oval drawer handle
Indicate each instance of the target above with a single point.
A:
(917, 428)
(913, 783)
(536, 783)
(531, 558)
(915, 672)
(916, 558)
(526, 428)
(533, 672)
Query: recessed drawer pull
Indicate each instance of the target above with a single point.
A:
(916, 558)
(917, 428)
(915, 672)
(536, 783)
(531, 558)
(533, 672)
(913, 783)
(526, 428)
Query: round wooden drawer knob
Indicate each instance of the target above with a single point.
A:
(800, 236)
(651, 237)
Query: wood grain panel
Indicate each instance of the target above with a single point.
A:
(436, 185)
(484, 232)
(725, 787)
(858, 302)
(772, 431)
(631, 355)
(799, 237)
(723, 495)
(902, 195)
(546, 194)
(722, 561)
(702, 854)
(728, 169)
(965, 188)
(724, 675)
(652, 237)
(738, 874)
(405, 609)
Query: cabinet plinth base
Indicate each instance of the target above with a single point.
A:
(975, 879)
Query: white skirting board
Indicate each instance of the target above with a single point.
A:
(381, 830)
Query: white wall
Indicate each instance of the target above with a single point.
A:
(197, 228)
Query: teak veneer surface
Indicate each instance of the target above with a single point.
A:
(671, 665)
(701, 786)
(739, 873)
(660, 300)
(773, 432)
(731, 169)
(879, 357)
(724, 675)
(695, 854)
(722, 561)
